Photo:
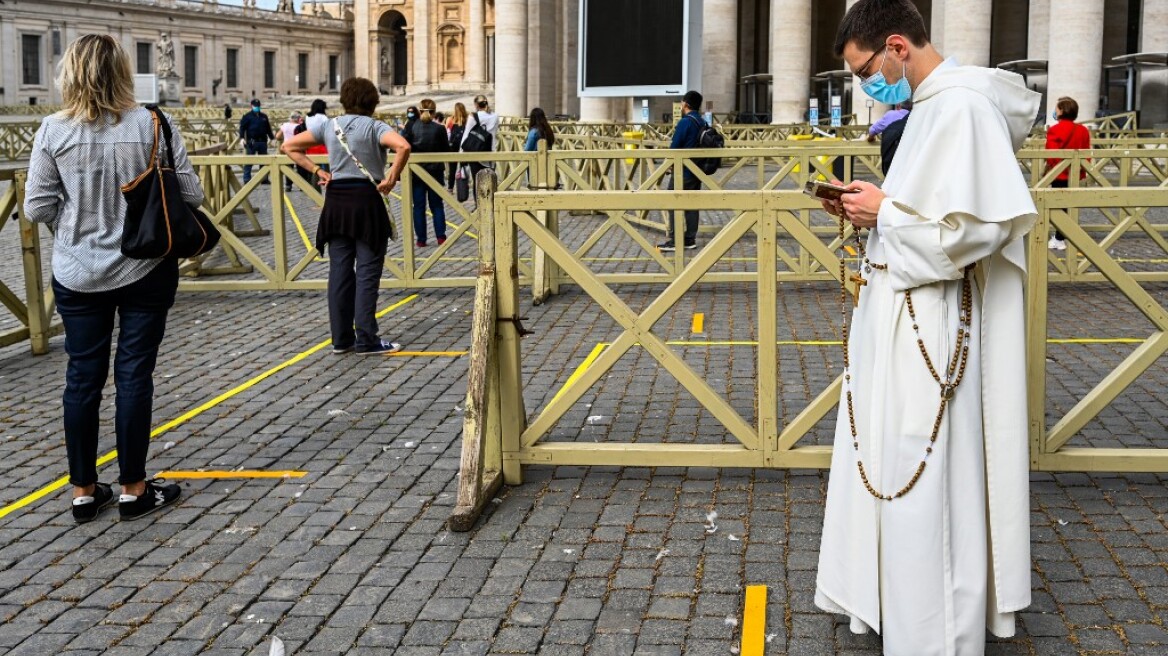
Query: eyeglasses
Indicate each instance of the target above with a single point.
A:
(860, 71)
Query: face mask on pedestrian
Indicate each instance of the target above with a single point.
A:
(878, 88)
(411, 115)
(1054, 115)
(255, 109)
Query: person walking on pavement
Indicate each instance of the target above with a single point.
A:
(538, 129)
(490, 121)
(429, 136)
(1065, 134)
(687, 135)
(80, 159)
(455, 126)
(287, 131)
(256, 131)
(354, 222)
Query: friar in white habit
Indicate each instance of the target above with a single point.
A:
(926, 535)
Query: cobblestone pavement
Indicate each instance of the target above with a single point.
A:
(354, 558)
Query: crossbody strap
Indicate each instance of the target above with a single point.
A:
(345, 144)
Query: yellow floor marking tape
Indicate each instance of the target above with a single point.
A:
(596, 350)
(754, 621)
(699, 323)
(431, 354)
(456, 226)
(190, 414)
(851, 251)
(300, 228)
(231, 474)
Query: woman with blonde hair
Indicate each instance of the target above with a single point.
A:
(429, 136)
(81, 158)
(455, 126)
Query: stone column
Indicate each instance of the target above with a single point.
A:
(1076, 50)
(361, 40)
(1153, 98)
(596, 109)
(719, 48)
(511, 57)
(1038, 30)
(859, 99)
(542, 65)
(421, 47)
(476, 54)
(967, 31)
(937, 28)
(570, 58)
(790, 59)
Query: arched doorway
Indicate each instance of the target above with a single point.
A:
(393, 51)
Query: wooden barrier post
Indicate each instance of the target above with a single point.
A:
(39, 329)
(480, 472)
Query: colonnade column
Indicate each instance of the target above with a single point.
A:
(1076, 50)
(859, 99)
(790, 59)
(476, 54)
(596, 109)
(967, 31)
(1154, 86)
(1038, 30)
(719, 54)
(569, 58)
(511, 57)
(421, 47)
(361, 39)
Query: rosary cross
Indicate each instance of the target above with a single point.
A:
(858, 282)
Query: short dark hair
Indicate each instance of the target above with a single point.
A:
(359, 96)
(693, 99)
(869, 23)
(1068, 108)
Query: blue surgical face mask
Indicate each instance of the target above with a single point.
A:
(878, 88)
(1054, 115)
(255, 109)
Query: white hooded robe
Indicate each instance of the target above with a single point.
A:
(931, 571)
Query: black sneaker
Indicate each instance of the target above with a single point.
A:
(341, 350)
(86, 509)
(384, 348)
(156, 496)
(667, 247)
(690, 245)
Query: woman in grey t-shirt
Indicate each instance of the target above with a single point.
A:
(354, 223)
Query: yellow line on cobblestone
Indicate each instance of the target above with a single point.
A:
(425, 354)
(596, 350)
(232, 474)
(754, 621)
(190, 414)
(299, 226)
(699, 323)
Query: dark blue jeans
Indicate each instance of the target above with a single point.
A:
(421, 195)
(141, 308)
(253, 148)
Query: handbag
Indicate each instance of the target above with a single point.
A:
(462, 183)
(159, 223)
(478, 139)
(340, 134)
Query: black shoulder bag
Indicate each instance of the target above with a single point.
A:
(159, 223)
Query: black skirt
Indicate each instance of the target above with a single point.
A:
(353, 209)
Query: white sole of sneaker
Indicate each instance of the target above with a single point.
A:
(151, 511)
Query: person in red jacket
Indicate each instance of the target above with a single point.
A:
(1065, 134)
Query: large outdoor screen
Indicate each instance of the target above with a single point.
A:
(637, 47)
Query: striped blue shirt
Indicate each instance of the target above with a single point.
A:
(75, 177)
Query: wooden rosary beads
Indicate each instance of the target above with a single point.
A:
(954, 373)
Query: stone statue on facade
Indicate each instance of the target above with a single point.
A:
(165, 55)
(285, 6)
(384, 62)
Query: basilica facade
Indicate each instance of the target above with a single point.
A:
(765, 58)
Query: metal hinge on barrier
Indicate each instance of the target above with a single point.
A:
(517, 321)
